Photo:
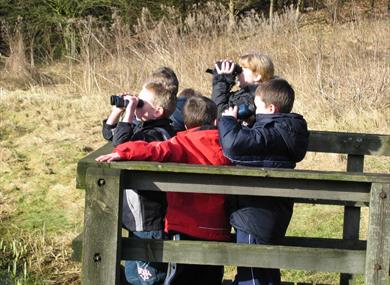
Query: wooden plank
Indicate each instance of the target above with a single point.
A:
(324, 243)
(330, 202)
(77, 247)
(351, 226)
(86, 162)
(355, 163)
(289, 241)
(351, 222)
(222, 253)
(102, 230)
(349, 143)
(89, 161)
(256, 186)
(378, 237)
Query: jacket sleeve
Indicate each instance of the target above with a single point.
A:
(222, 84)
(237, 140)
(108, 130)
(169, 150)
(148, 135)
(122, 133)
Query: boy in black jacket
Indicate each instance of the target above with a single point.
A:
(277, 139)
(145, 118)
(128, 129)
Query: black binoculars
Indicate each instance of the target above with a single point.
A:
(119, 102)
(245, 111)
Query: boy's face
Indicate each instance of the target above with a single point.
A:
(261, 107)
(247, 77)
(148, 111)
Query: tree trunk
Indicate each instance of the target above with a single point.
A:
(299, 3)
(271, 12)
(32, 61)
(16, 64)
(232, 21)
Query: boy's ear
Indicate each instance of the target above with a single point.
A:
(272, 109)
(258, 78)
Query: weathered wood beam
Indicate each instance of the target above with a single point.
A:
(220, 253)
(102, 228)
(378, 237)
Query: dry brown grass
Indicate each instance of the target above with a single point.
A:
(341, 74)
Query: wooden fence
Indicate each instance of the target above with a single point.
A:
(103, 247)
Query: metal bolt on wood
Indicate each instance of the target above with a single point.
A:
(97, 258)
(377, 267)
(101, 182)
(382, 195)
(358, 142)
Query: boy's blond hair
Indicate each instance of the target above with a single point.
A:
(258, 63)
(163, 97)
(167, 77)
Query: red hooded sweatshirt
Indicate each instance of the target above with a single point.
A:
(194, 214)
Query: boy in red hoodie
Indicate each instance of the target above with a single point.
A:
(187, 216)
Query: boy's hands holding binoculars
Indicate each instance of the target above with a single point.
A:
(225, 66)
(130, 108)
(231, 111)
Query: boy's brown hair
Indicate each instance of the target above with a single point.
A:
(258, 63)
(163, 97)
(199, 111)
(189, 92)
(277, 92)
(167, 77)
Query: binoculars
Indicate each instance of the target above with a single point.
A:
(245, 111)
(119, 102)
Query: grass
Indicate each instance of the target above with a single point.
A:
(341, 74)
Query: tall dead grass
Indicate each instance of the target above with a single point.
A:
(341, 72)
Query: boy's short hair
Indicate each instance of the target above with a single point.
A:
(163, 97)
(189, 92)
(167, 77)
(260, 64)
(199, 111)
(277, 92)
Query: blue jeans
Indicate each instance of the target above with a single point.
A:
(251, 275)
(144, 272)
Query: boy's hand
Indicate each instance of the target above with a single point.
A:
(130, 109)
(232, 111)
(108, 157)
(226, 67)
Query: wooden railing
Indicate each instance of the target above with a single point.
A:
(103, 246)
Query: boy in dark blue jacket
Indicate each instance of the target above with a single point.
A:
(277, 139)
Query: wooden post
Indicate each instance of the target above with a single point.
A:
(351, 225)
(378, 237)
(102, 228)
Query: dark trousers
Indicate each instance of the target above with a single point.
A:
(193, 274)
(251, 275)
